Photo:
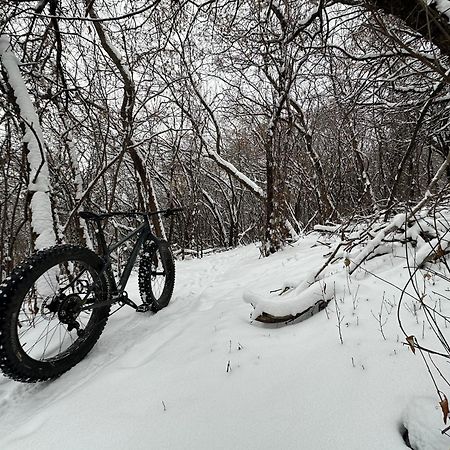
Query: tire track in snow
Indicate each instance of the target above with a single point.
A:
(149, 332)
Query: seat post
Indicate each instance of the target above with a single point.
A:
(100, 236)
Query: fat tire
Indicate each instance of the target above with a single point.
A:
(146, 277)
(14, 361)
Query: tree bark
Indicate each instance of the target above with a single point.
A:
(426, 19)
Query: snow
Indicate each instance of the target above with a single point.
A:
(443, 6)
(33, 135)
(395, 223)
(200, 374)
(41, 220)
(330, 228)
(421, 418)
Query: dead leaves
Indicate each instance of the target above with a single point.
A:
(411, 340)
(444, 407)
(438, 254)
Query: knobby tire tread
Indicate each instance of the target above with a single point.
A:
(144, 275)
(12, 292)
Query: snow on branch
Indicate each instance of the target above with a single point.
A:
(317, 285)
(399, 219)
(39, 185)
(233, 171)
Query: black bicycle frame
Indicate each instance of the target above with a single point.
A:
(143, 233)
(118, 293)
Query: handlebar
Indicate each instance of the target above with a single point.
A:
(170, 211)
(90, 215)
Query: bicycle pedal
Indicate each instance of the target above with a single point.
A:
(145, 307)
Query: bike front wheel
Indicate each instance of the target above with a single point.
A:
(156, 274)
(48, 318)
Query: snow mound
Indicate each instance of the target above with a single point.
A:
(291, 303)
(423, 420)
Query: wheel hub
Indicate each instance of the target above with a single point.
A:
(69, 309)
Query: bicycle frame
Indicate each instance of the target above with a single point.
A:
(56, 304)
(118, 292)
(143, 232)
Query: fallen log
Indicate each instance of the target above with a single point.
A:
(299, 317)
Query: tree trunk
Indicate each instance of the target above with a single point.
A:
(129, 95)
(424, 18)
(42, 225)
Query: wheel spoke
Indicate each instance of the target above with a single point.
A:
(48, 341)
(43, 335)
(43, 329)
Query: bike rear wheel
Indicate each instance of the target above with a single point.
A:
(156, 274)
(44, 330)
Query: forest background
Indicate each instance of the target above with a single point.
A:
(260, 118)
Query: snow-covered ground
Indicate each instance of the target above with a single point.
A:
(201, 375)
